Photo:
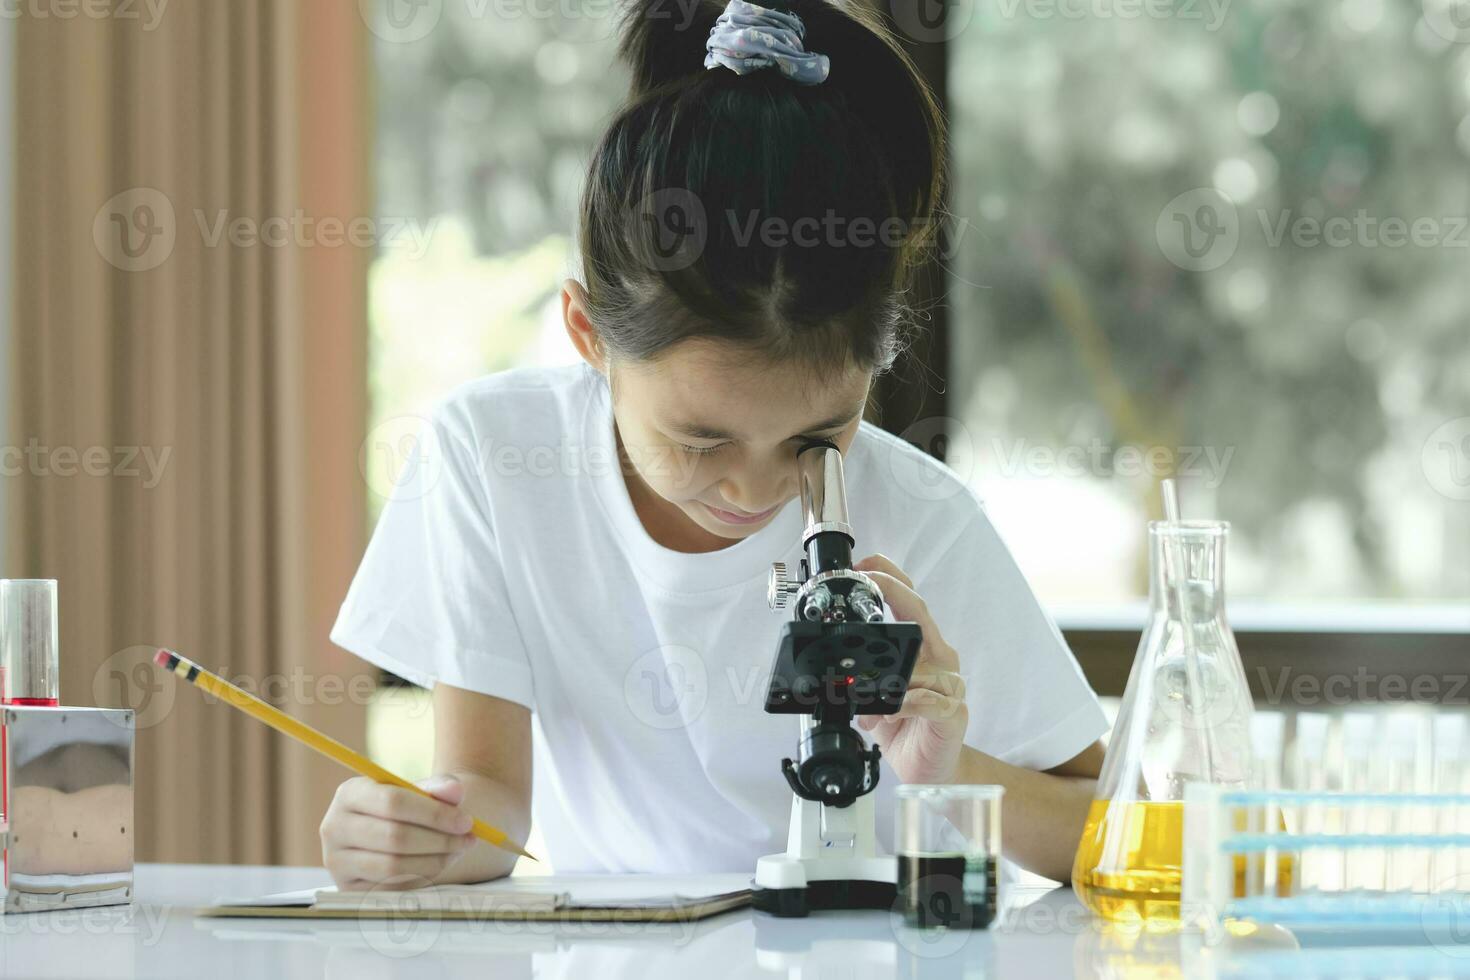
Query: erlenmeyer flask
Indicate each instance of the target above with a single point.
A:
(1185, 717)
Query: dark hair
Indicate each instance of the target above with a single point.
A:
(725, 162)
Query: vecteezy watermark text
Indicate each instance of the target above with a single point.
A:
(124, 462)
(1211, 13)
(129, 679)
(408, 21)
(671, 229)
(1364, 230)
(148, 12)
(137, 230)
(1200, 230)
(304, 231)
(404, 457)
(1362, 686)
(1205, 464)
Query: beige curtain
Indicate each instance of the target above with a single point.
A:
(189, 382)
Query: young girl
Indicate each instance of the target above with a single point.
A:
(579, 572)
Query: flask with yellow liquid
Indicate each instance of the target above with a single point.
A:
(1185, 717)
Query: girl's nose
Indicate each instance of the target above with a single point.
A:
(755, 495)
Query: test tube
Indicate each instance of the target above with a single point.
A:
(1267, 872)
(1364, 868)
(28, 641)
(1309, 774)
(948, 848)
(1451, 776)
(1407, 866)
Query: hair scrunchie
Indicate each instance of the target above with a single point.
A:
(749, 38)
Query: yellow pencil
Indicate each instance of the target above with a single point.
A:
(306, 735)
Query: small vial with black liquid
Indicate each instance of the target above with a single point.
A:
(948, 852)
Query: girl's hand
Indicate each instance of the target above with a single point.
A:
(922, 742)
(377, 836)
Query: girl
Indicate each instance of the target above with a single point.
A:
(579, 571)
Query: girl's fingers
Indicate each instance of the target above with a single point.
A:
(393, 837)
(882, 563)
(881, 726)
(908, 605)
(389, 871)
(932, 694)
(930, 706)
(936, 689)
(944, 682)
(904, 601)
(363, 795)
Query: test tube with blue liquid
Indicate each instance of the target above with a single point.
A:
(1370, 834)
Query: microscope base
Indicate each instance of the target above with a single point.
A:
(792, 887)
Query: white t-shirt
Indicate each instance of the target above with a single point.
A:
(511, 562)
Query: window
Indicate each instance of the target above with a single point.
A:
(1231, 239)
(1226, 238)
(486, 124)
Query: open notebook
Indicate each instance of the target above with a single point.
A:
(551, 898)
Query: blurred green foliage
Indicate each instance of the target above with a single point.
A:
(1324, 367)
(485, 129)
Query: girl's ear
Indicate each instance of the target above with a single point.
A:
(583, 334)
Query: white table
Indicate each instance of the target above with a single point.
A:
(1043, 934)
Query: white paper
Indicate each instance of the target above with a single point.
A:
(638, 890)
(299, 899)
(441, 898)
(583, 891)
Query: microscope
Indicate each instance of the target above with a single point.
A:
(840, 655)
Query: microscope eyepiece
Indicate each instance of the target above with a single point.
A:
(826, 533)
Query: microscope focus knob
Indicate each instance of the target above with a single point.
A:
(781, 587)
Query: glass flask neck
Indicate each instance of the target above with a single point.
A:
(1186, 712)
(1187, 570)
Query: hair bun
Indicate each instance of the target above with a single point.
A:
(745, 167)
(664, 40)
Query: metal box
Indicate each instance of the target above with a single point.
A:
(66, 789)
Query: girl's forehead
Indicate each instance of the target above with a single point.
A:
(742, 391)
(698, 360)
